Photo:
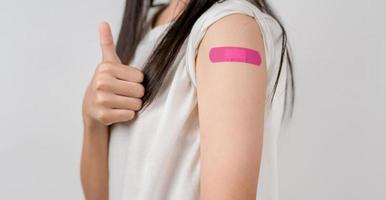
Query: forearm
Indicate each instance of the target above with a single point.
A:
(94, 162)
(113, 96)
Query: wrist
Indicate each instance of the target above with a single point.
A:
(92, 126)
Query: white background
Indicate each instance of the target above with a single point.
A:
(335, 149)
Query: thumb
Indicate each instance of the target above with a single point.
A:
(107, 43)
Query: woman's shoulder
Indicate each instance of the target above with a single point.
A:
(222, 11)
(226, 7)
(232, 20)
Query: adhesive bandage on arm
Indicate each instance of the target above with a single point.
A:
(235, 54)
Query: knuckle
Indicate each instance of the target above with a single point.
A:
(137, 74)
(137, 105)
(101, 84)
(140, 76)
(105, 67)
(103, 118)
(130, 115)
(140, 90)
(101, 99)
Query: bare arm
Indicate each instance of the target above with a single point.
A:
(113, 96)
(94, 162)
(231, 98)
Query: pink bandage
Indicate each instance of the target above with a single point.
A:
(234, 54)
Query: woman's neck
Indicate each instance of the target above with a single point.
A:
(176, 2)
(177, 6)
(171, 12)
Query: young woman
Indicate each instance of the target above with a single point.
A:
(189, 104)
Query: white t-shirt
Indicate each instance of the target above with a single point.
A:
(157, 156)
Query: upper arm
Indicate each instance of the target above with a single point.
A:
(231, 99)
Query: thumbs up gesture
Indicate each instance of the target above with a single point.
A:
(115, 91)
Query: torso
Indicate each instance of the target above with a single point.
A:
(156, 156)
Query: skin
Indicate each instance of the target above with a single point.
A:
(113, 95)
(231, 99)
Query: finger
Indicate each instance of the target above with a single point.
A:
(127, 89)
(121, 87)
(119, 115)
(107, 43)
(127, 73)
(121, 102)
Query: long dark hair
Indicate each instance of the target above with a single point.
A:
(133, 29)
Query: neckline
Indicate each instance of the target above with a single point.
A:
(162, 26)
(153, 13)
(153, 33)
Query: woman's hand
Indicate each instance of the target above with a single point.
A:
(113, 95)
(115, 91)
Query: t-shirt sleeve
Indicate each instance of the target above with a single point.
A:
(215, 13)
